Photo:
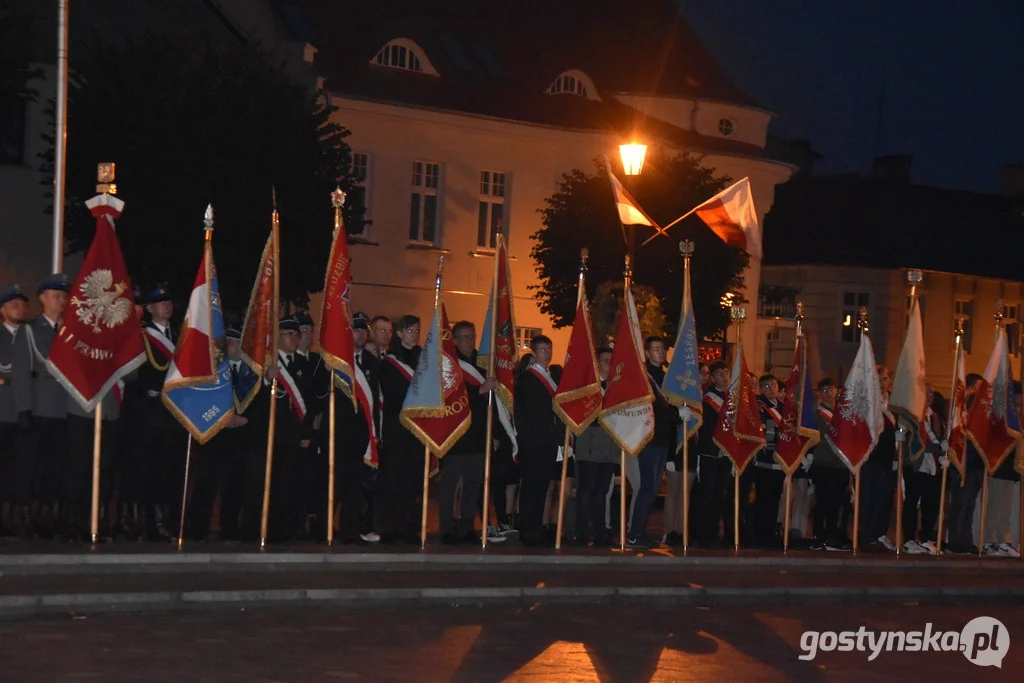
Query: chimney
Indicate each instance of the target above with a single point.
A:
(892, 168)
(1011, 180)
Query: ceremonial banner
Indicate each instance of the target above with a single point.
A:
(798, 432)
(364, 395)
(627, 411)
(197, 389)
(740, 432)
(857, 420)
(499, 329)
(989, 424)
(731, 215)
(436, 406)
(909, 388)
(681, 385)
(259, 331)
(100, 340)
(577, 399)
(337, 346)
(957, 451)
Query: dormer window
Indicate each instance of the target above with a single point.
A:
(574, 82)
(402, 53)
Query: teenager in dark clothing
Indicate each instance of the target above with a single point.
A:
(714, 467)
(879, 479)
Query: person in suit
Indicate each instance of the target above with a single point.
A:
(49, 408)
(16, 458)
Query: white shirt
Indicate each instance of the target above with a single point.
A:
(13, 329)
(53, 323)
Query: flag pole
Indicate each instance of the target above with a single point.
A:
(914, 277)
(426, 449)
(862, 323)
(738, 314)
(686, 248)
(665, 228)
(958, 349)
(337, 201)
(622, 452)
(489, 446)
(97, 435)
(61, 137)
(275, 225)
(584, 255)
(984, 482)
(799, 318)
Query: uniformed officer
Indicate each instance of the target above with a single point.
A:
(15, 410)
(768, 477)
(49, 408)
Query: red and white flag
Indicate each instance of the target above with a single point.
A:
(731, 215)
(857, 421)
(578, 397)
(627, 411)
(957, 451)
(987, 421)
(365, 397)
(100, 340)
(740, 432)
(337, 346)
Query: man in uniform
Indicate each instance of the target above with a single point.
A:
(768, 477)
(15, 411)
(713, 464)
(49, 408)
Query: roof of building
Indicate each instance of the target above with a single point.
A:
(850, 220)
(499, 58)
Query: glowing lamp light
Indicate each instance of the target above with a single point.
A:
(633, 156)
(848, 320)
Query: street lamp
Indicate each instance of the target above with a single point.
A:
(632, 155)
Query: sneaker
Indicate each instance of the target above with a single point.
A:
(914, 548)
(638, 543)
(371, 537)
(1009, 550)
(930, 547)
(838, 546)
(494, 535)
(994, 550)
(889, 545)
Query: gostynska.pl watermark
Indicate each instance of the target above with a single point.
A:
(983, 641)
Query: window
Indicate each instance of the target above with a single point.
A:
(852, 302)
(1011, 319)
(524, 335)
(361, 175)
(776, 302)
(573, 82)
(491, 218)
(426, 177)
(964, 308)
(726, 127)
(402, 53)
(12, 133)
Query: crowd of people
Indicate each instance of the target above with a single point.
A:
(46, 454)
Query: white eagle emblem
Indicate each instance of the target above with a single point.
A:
(102, 301)
(449, 377)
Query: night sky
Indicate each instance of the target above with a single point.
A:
(953, 74)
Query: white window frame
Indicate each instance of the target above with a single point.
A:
(574, 82)
(525, 335)
(494, 191)
(423, 187)
(853, 312)
(399, 50)
(364, 182)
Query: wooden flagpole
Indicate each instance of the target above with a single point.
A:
(584, 253)
(489, 445)
(862, 323)
(984, 482)
(97, 435)
(738, 315)
(914, 278)
(275, 225)
(426, 496)
(622, 452)
(958, 349)
(184, 493)
(686, 249)
(337, 201)
(789, 476)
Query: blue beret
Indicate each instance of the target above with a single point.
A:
(11, 293)
(159, 293)
(289, 324)
(57, 281)
(233, 333)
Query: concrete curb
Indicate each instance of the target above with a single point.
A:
(102, 562)
(29, 605)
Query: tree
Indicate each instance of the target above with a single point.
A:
(606, 306)
(582, 214)
(190, 121)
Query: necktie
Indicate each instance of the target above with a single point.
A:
(56, 327)
(288, 362)
(234, 373)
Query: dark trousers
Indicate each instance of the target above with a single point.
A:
(924, 489)
(400, 490)
(77, 484)
(49, 439)
(831, 485)
(469, 468)
(535, 473)
(219, 469)
(17, 464)
(715, 482)
(652, 466)
(768, 485)
(876, 490)
(286, 517)
(962, 500)
(153, 471)
(593, 479)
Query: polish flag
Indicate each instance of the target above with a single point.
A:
(740, 432)
(578, 397)
(630, 212)
(988, 422)
(857, 420)
(731, 215)
(627, 411)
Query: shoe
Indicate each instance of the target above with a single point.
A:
(838, 546)
(1009, 550)
(506, 529)
(889, 545)
(371, 537)
(638, 543)
(673, 539)
(993, 550)
(817, 544)
(914, 548)
(930, 547)
(494, 535)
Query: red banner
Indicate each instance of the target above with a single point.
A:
(336, 344)
(578, 397)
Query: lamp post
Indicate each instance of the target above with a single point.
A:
(632, 155)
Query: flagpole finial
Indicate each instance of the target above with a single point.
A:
(629, 266)
(338, 198)
(1000, 311)
(273, 197)
(208, 222)
(799, 311)
(738, 314)
(914, 278)
(862, 319)
(686, 248)
(959, 327)
(440, 274)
